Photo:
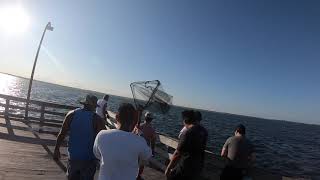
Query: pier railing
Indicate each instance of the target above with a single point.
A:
(42, 113)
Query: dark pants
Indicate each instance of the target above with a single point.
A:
(81, 170)
(175, 175)
(231, 173)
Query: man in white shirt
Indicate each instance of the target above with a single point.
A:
(119, 149)
(101, 110)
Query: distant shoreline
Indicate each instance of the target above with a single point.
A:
(225, 113)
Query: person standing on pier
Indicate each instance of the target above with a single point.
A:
(149, 134)
(119, 150)
(198, 118)
(239, 153)
(82, 124)
(188, 159)
(101, 110)
(148, 131)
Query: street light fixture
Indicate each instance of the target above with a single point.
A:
(50, 28)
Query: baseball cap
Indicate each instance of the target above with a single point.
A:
(148, 115)
(90, 100)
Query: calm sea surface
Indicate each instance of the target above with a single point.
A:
(286, 148)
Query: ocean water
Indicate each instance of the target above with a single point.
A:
(286, 148)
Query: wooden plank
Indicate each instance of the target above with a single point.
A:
(55, 113)
(36, 121)
(37, 110)
(168, 141)
(15, 117)
(37, 129)
(12, 98)
(21, 108)
(12, 107)
(59, 106)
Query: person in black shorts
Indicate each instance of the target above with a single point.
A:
(188, 159)
(239, 153)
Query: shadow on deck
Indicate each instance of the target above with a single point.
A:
(27, 154)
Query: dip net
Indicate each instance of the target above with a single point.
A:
(150, 95)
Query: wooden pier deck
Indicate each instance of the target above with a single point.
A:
(27, 154)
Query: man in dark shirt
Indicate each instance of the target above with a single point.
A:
(239, 153)
(188, 159)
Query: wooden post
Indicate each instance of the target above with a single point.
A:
(6, 111)
(42, 116)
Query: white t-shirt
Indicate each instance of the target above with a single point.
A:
(100, 110)
(119, 152)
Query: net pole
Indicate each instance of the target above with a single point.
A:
(137, 107)
(153, 93)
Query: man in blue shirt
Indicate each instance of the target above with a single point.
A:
(82, 125)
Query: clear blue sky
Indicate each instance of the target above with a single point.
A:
(252, 57)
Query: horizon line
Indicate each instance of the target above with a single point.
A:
(177, 105)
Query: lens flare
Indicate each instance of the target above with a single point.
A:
(13, 19)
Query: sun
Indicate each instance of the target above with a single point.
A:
(13, 19)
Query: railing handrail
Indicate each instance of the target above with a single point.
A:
(57, 111)
(37, 102)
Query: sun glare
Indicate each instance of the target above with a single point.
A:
(13, 19)
(6, 83)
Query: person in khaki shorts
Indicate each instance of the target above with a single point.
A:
(149, 134)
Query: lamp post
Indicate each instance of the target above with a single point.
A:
(50, 28)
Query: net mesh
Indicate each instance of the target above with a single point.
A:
(150, 95)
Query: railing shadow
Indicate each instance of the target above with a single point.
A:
(11, 136)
